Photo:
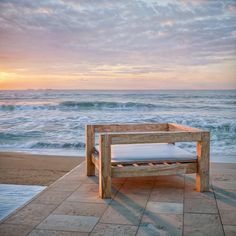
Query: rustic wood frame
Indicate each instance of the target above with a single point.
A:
(145, 133)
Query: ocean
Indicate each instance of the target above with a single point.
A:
(53, 121)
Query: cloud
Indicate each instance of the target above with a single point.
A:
(136, 34)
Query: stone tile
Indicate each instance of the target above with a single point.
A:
(123, 213)
(82, 209)
(133, 195)
(91, 180)
(42, 232)
(228, 217)
(141, 179)
(226, 204)
(78, 178)
(224, 184)
(149, 229)
(164, 207)
(169, 178)
(161, 224)
(136, 187)
(222, 166)
(190, 178)
(116, 182)
(230, 230)
(88, 193)
(69, 223)
(225, 193)
(169, 181)
(192, 193)
(67, 186)
(202, 224)
(200, 205)
(223, 176)
(114, 229)
(167, 195)
(139, 199)
(78, 170)
(14, 230)
(31, 214)
(52, 197)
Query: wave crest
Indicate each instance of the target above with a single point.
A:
(46, 145)
(104, 105)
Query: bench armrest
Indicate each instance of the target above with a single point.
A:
(154, 137)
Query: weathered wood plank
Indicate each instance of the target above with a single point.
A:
(155, 170)
(155, 137)
(177, 127)
(105, 166)
(203, 154)
(153, 162)
(90, 139)
(95, 160)
(130, 127)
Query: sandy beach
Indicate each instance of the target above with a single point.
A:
(32, 169)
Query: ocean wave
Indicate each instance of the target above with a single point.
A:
(74, 105)
(45, 145)
(5, 136)
(27, 107)
(220, 129)
(105, 104)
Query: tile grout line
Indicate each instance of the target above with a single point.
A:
(145, 206)
(57, 205)
(218, 208)
(183, 205)
(107, 206)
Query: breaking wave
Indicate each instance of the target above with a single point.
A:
(105, 105)
(46, 145)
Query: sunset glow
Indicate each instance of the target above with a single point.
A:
(117, 44)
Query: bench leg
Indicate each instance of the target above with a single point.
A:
(203, 153)
(90, 167)
(104, 167)
(104, 186)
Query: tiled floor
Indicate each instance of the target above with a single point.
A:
(164, 205)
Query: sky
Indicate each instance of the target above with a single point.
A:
(112, 44)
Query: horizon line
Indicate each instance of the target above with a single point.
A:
(225, 89)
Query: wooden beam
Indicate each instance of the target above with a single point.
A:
(90, 139)
(155, 170)
(130, 127)
(177, 127)
(155, 137)
(203, 154)
(152, 162)
(105, 166)
(95, 160)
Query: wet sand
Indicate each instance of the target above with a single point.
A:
(33, 169)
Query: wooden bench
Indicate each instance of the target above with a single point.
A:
(128, 150)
